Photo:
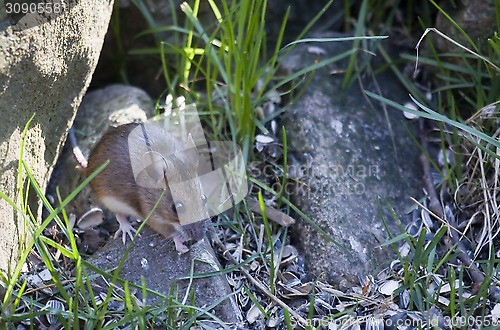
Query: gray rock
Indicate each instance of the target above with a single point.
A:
(351, 155)
(155, 260)
(110, 106)
(46, 63)
(476, 18)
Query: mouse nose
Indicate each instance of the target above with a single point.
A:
(195, 230)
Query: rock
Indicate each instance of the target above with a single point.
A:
(354, 157)
(155, 260)
(110, 106)
(476, 18)
(46, 63)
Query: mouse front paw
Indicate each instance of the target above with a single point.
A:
(179, 244)
(125, 228)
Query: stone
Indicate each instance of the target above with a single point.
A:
(476, 18)
(354, 155)
(155, 260)
(46, 63)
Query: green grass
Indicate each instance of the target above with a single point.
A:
(238, 72)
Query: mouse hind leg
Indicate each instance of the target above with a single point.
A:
(121, 209)
(125, 228)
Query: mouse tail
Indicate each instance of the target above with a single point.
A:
(77, 152)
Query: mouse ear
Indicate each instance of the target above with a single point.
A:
(190, 141)
(191, 149)
(154, 165)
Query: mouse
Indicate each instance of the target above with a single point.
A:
(145, 164)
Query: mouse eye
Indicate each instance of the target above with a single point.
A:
(204, 198)
(178, 207)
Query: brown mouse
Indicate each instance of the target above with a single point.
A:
(141, 157)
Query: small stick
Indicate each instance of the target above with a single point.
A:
(273, 214)
(263, 288)
(435, 206)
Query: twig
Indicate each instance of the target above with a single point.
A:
(436, 208)
(453, 42)
(434, 204)
(273, 214)
(265, 290)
